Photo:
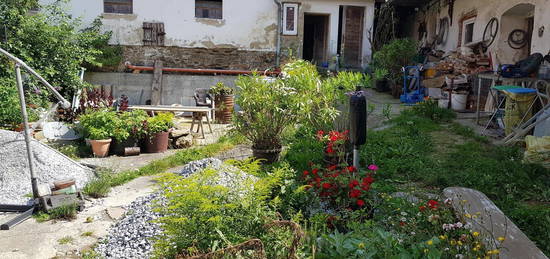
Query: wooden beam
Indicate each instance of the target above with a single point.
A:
(156, 88)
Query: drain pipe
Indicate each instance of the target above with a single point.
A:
(279, 29)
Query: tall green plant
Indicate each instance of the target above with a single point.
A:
(98, 124)
(394, 56)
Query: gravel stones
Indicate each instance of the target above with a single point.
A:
(49, 165)
(199, 165)
(131, 237)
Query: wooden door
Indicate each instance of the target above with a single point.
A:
(352, 35)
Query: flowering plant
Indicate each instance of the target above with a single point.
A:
(335, 145)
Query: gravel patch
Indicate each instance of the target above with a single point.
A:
(132, 236)
(49, 164)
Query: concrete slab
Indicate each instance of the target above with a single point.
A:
(31, 239)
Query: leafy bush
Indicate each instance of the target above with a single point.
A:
(221, 89)
(10, 114)
(394, 56)
(98, 125)
(162, 122)
(129, 124)
(431, 110)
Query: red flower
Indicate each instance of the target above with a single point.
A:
(306, 173)
(352, 169)
(355, 193)
(353, 183)
(368, 180)
(332, 168)
(433, 204)
(401, 223)
(314, 171)
(327, 185)
(318, 181)
(360, 203)
(422, 208)
(365, 187)
(330, 150)
(320, 134)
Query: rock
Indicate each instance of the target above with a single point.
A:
(184, 142)
(115, 213)
(489, 218)
(179, 133)
(407, 196)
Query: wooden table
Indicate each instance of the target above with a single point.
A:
(198, 113)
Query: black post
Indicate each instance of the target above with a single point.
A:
(358, 121)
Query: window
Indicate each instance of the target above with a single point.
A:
(153, 34)
(468, 31)
(118, 6)
(290, 19)
(212, 9)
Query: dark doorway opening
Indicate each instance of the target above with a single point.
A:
(315, 38)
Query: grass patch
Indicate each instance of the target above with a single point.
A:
(90, 254)
(411, 151)
(98, 188)
(87, 234)
(64, 212)
(65, 240)
(76, 150)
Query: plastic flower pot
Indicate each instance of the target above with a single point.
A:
(157, 143)
(101, 147)
(268, 156)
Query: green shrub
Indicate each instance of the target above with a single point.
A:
(162, 122)
(98, 188)
(394, 56)
(128, 124)
(98, 124)
(431, 110)
(64, 212)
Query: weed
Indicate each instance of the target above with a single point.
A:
(74, 151)
(65, 240)
(41, 217)
(87, 234)
(89, 219)
(99, 187)
(65, 212)
(430, 109)
(386, 111)
(467, 132)
(90, 254)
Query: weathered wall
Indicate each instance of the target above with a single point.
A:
(176, 89)
(332, 8)
(218, 58)
(486, 10)
(246, 24)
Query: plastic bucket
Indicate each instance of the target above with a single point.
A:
(458, 101)
(443, 103)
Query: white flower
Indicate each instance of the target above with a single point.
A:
(448, 201)
(404, 219)
(446, 249)
(413, 233)
(459, 256)
(448, 227)
(468, 225)
(459, 225)
(404, 213)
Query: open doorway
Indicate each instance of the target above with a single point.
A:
(516, 33)
(315, 38)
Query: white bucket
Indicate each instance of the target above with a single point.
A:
(443, 103)
(458, 102)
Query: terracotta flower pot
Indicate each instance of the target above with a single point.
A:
(100, 147)
(268, 155)
(157, 143)
(228, 105)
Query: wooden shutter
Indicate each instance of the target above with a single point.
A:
(153, 34)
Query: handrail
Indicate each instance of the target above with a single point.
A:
(64, 103)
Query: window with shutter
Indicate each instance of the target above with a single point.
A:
(153, 34)
(118, 6)
(212, 9)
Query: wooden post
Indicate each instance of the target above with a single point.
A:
(156, 88)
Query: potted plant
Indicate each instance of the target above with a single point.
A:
(128, 130)
(381, 80)
(224, 100)
(98, 126)
(156, 132)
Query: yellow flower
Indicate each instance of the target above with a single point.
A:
(453, 242)
(442, 237)
(475, 248)
(474, 216)
(430, 242)
(467, 215)
(398, 208)
(361, 245)
(459, 243)
(501, 239)
(475, 234)
(426, 250)
(490, 252)
(495, 251)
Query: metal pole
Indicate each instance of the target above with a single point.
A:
(22, 102)
(356, 156)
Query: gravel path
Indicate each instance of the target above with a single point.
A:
(131, 236)
(50, 166)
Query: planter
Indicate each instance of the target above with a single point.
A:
(268, 155)
(382, 85)
(225, 104)
(101, 147)
(120, 146)
(157, 143)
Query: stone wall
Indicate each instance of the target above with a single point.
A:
(204, 58)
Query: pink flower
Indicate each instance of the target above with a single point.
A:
(373, 167)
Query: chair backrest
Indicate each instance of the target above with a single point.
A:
(202, 96)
